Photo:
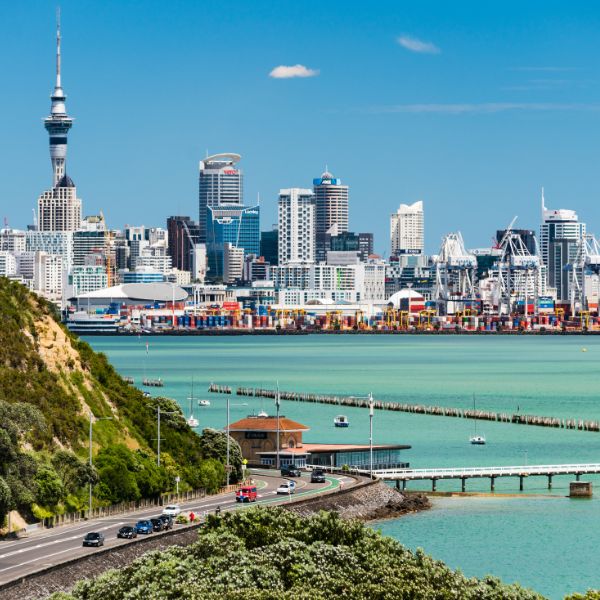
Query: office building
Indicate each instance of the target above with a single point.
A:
(407, 229)
(233, 263)
(183, 235)
(296, 225)
(58, 243)
(331, 210)
(59, 209)
(269, 243)
(12, 240)
(86, 279)
(49, 275)
(561, 234)
(8, 264)
(231, 223)
(220, 184)
(87, 243)
(141, 275)
(353, 242)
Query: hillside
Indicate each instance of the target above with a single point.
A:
(50, 381)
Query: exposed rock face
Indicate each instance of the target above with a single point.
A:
(369, 502)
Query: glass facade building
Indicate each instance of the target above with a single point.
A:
(239, 225)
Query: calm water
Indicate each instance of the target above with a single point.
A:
(547, 543)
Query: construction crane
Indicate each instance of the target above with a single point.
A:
(455, 271)
(585, 262)
(518, 273)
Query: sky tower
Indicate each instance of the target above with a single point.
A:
(58, 123)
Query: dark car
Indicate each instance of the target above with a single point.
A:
(93, 539)
(167, 521)
(290, 471)
(144, 527)
(317, 476)
(127, 532)
(157, 524)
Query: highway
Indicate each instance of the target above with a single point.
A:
(25, 556)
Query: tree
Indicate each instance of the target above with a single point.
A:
(212, 474)
(73, 472)
(6, 500)
(214, 445)
(50, 490)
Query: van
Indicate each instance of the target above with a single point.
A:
(247, 493)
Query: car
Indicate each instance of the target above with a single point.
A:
(317, 476)
(247, 493)
(157, 524)
(127, 532)
(144, 526)
(167, 521)
(287, 487)
(290, 471)
(173, 510)
(93, 538)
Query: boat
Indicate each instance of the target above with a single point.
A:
(341, 421)
(192, 421)
(477, 439)
(203, 402)
(83, 322)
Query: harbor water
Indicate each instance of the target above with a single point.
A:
(537, 537)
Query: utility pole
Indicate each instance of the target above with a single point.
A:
(277, 404)
(227, 430)
(158, 436)
(371, 414)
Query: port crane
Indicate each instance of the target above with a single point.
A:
(585, 262)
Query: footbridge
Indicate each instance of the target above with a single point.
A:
(402, 476)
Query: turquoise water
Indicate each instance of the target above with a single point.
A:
(532, 540)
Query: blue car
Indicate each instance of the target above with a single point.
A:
(144, 527)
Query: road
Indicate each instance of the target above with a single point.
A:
(22, 557)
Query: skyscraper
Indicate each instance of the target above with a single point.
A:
(296, 226)
(331, 210)
(183, 236)
(220, 183)
(406, 229)
(59, 209)
(560, 236)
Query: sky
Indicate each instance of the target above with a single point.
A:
(469, 106)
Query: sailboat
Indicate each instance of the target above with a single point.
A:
(476, 439)
(192, 421)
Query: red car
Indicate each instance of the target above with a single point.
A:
(246, 494)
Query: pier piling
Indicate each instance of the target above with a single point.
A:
(521, 477)
(463, 484)
(549, 482)
(492, 483)
(433, 484)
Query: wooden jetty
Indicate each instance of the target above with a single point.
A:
(464, 473)
(129, 380)
(153, 382)
(421, 409)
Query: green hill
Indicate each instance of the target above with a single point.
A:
(50, 382)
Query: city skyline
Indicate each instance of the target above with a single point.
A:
(488, 191)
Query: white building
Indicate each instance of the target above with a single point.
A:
(296, 223)
(407, 229)
(12, 240)
(52, 242)
(8, 264)
(86, 279)
(199, 263)
(233, 263)
(155, 257)
(59, 209)
(49, 275)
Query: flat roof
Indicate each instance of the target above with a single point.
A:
(323, 448)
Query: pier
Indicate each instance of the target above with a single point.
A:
(153, 382)
(421, 409)
(402, 476)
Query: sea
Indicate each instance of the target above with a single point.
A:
(538, 537)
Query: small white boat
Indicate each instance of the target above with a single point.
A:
(193, 422)
(341, 421)
(263, 413)
(477, 440)
(203, 402)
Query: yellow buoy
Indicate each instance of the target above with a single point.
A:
(584, 349)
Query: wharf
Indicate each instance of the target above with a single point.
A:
(439, 411)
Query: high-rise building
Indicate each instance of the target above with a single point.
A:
(269, 241)
(296, 225)
(239, 225)
(353, 242)
(233, 263)
(331, 210)
(86, 243)
(184, 234)
(220, 183)
(407, 230)
(561, 233)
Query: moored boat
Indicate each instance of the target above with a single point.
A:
(341, 421)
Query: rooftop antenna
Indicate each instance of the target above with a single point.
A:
(543, 203)
(258, 198)
(58, 85)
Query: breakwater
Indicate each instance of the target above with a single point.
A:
(421, 409)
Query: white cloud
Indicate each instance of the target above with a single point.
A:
(482, 108)
(415, 45)
(285, 72)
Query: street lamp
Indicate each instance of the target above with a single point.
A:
(92, 417)
(371, 414)
(277, 405)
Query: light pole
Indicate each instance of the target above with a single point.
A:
(158, 413)
(371, 414)
(92, 417)
(277, 404)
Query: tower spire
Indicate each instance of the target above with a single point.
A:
(58, 85)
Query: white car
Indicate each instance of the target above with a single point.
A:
(287, 487)
(173, 510)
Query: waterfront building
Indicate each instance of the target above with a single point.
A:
(296, 226)
(561, 234)
(256, 268)
(183, 234)
(331, 210)
(12, 240)
(407, 229)
(179, 277)
(410, 271)
(269, 243)
(235, 224)
(220, 183)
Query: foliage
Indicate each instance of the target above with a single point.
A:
(589, 595)
(259, 553)
(49, 487)
(6, 500)
(212, 475)
(214, 445)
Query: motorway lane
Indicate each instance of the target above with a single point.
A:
(27, 555)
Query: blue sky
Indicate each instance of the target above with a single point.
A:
(468, 106)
